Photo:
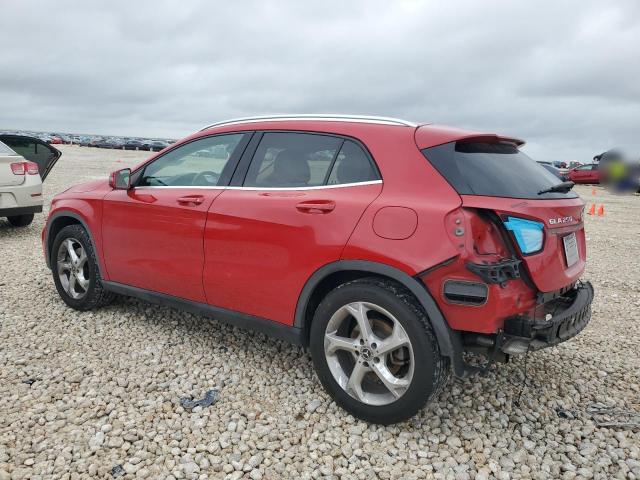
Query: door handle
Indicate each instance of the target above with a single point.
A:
(191, 200)
(316, 206)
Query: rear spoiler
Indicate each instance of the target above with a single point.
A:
(428, 136)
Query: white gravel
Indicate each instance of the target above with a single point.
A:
(107, 384)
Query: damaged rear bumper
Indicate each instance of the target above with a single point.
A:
(563, 318)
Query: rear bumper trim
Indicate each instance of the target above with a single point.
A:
(537, 334)
(10, 212)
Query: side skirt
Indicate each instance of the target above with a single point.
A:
(287, 333)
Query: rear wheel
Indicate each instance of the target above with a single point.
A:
(21, 220)
(375, 352)
(75, 270)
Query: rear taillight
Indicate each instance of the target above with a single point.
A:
(32, 168)
(529, 234)
(18, 168)
(22, 168)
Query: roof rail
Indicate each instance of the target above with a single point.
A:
(317, 117)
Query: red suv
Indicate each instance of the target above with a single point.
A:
(386, 248)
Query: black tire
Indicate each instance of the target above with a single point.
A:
(21, 220)
(96, 295)
(431, 370)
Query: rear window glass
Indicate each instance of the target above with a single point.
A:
(493, 170)
(4, 150)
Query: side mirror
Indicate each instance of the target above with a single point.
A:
(120, 179)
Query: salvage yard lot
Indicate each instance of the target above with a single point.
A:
(84, 393)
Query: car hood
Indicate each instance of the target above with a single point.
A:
(91, 186)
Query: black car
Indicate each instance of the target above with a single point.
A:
(132, 144)
(157, 146)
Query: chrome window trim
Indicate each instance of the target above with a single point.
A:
(316, 117)
(316, 187)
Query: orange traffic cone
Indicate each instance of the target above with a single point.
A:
(593, 191)
(592, 210)
(601, 211)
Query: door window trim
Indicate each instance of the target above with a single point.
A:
(233, 187)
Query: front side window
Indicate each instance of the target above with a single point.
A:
(199, 163)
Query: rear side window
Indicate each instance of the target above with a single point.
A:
(492, 169)
(292, 160)
(352, 166)
(298, 160)
(4, 150)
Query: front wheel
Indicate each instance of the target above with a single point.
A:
(75, 270)
(21, 220)
(375, 352)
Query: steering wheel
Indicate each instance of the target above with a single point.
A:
(206, 179)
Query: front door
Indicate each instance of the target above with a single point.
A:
(152, 233)
(300, 200)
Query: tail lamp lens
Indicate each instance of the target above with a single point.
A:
(18, 168)
(528, 234)
(22, 168)
(32, 168)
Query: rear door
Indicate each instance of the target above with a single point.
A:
(290, 211)
(33, 150)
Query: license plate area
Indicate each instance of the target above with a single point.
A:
(570, 249)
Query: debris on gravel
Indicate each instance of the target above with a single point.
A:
(209, 399)
(109, 383)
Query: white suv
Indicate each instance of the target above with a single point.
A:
(24, 164)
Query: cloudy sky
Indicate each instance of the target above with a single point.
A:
(564, 75)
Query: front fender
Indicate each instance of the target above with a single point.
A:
(87, 214)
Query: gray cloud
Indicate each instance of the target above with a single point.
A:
(562, 75)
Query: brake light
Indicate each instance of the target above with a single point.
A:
(529, 234)
(32, 168)
(23, 168)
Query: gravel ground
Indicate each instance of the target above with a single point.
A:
(106, 385)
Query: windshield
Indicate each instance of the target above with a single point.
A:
(4, 150)
(492, 169)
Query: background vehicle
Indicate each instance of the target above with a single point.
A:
(559, 164)
(282, 224)
(133, 144)
(157, 145)
(555, 171)
(24, 164)
(589, 173)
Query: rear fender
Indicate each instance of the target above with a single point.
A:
(448, 340)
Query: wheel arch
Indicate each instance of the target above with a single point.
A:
(57, 222)
(331, 275)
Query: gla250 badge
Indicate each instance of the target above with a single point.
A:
(559, 220)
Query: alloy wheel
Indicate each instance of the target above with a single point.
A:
(369, 353)
(73, 268)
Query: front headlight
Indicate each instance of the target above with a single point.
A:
(529, 234)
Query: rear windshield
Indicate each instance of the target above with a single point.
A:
(493, 170)
(4, 150)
